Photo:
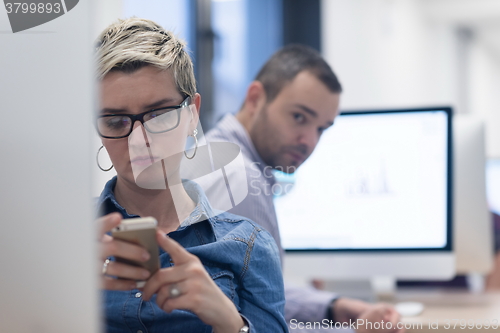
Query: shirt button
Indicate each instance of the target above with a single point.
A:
(137, 295)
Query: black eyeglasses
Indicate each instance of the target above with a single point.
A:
(117, 126)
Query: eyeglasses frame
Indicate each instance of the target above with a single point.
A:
(140, 117)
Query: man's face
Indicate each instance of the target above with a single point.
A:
(286, 131)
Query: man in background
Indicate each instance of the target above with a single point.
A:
(293, 100)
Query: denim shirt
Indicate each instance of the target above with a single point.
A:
(240, 256)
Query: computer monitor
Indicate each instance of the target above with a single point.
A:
(373, 200)
(48, 240)
(493, 184)
(493, 195)
(473, 225)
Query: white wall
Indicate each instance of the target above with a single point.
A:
(408, 53)
(387, 54)
(229, 22)
(106, 12)
(484, 88)
(170, 14)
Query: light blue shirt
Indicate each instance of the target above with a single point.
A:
(303, 304)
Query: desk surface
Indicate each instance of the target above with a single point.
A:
(451, 311)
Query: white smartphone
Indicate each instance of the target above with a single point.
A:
(140, 231)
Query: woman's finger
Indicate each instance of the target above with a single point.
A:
(178, 254)
(166, 293)
(163, 277)
(115, 247)
(124, 271)
(202, 297)
(108, 222)
(110, 283)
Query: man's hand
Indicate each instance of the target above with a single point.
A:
(380, 313)
(345, 310)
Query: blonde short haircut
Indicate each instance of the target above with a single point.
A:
(130, 44)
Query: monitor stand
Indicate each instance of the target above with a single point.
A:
(370, 289)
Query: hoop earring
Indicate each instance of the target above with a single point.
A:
(97, 160)
(195, 146)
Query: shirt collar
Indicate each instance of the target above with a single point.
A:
(230, 124)
(202, 210)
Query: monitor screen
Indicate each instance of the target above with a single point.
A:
(493, 184)
(378, 180)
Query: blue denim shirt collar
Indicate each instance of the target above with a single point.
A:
(201, 212)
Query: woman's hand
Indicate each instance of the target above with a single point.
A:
(196, 290)
(127, 274)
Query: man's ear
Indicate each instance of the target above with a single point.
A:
(255, 98)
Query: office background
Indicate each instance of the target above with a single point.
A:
(387, 53)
